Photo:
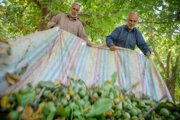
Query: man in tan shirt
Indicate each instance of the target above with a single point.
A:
(70, 23)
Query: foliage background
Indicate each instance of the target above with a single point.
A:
(159, 23)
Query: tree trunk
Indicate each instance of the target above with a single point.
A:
(44, 11)
(172, 88)
(42, 23)
(174, 70)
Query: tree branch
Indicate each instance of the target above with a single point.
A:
(174, 68)
(167, 66)
(158, 58)
(23, 9)
(84, 16)
(173, 77)
(37, 3)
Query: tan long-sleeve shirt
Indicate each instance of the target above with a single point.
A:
(75, 27)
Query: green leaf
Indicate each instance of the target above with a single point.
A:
(101, 117)
(114, 78)
(99, 107)
(51, 116)
(47, 84)
(17, 97)
(62, 112)
(91, 119)
(27, 97)
(80, 81)
(48, 108)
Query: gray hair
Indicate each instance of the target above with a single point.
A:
(133, 13)
(76, 4)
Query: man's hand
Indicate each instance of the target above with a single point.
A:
(51, 25)
(89, 44)
(148, 55)
(113, 48)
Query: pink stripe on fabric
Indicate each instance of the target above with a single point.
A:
(122, 68)
(166, 91)
(118, 68)
(140, 70)
(95, 69)
(76, 56)
(62, 39)
(69, 60)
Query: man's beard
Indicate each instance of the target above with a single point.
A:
(130, 27)
(74, 16)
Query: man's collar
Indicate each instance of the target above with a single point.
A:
(75, 18)
(126, 27)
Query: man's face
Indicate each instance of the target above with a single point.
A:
(131, 21)
(74, 10)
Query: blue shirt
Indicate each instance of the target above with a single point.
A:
(121, 37)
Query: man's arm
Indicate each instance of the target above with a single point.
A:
(54, 21)
(110, 38)
(142, 45)
(82, 34)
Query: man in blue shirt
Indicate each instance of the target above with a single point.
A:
(127, 36)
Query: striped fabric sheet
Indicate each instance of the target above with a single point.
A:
(56, 55)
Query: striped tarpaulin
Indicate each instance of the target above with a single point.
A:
(56, 55)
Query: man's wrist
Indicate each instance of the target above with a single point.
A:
(112, 48)
(148, 54)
